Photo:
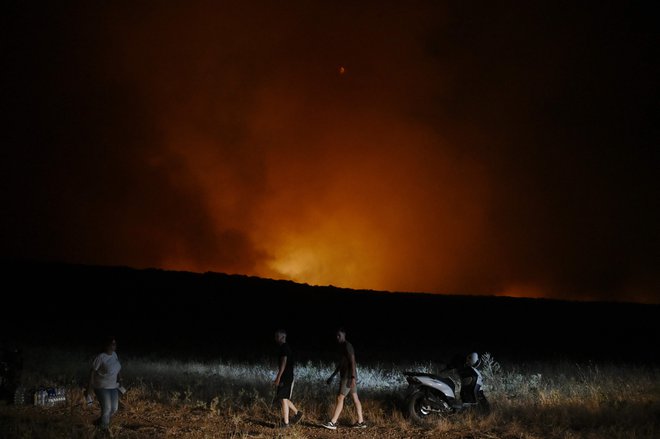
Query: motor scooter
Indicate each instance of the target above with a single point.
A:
(434, 395)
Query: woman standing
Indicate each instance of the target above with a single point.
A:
(104, 379)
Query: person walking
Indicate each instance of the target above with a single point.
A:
(347, 369)
(104, 381)
(284, 380)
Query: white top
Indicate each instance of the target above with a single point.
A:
(106, 367)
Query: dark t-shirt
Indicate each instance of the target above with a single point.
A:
(345, 353)
(285, 351)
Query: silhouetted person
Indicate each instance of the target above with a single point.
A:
(11, 368)
(471, 380)
(347, 369)
(104, 380)
(284, 379)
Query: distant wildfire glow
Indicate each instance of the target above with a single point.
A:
(393, 150)
(330, 183)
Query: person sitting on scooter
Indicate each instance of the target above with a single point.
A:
(471, 381)
(470, 378)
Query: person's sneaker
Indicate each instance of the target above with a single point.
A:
(329, 425)
(283, 425)
(359, 425)
(297, 417)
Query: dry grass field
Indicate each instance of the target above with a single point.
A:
(221, 399)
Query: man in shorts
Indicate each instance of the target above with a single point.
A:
(347, 369)
(284, 379)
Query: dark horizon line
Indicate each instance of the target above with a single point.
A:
(45, 261)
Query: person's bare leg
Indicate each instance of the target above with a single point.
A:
(338, 408)
(291, 406)
(285, 410)
(358, 407)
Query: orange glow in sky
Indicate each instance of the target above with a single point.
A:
(445, 148)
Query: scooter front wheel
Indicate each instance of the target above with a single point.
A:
(483, 404)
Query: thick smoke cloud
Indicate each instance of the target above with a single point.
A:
(466, 148)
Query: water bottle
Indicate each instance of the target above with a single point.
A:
(19, 396)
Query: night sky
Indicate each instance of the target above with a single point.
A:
(457, 147)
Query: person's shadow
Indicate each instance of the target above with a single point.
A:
(276, 424)
(262, 423)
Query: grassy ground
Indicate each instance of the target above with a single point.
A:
(221, 399)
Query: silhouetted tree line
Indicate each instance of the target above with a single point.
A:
(214, 313)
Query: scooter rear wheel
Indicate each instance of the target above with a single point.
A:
(419, 410)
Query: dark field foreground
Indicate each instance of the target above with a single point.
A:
(196, 351)
(223, 399)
